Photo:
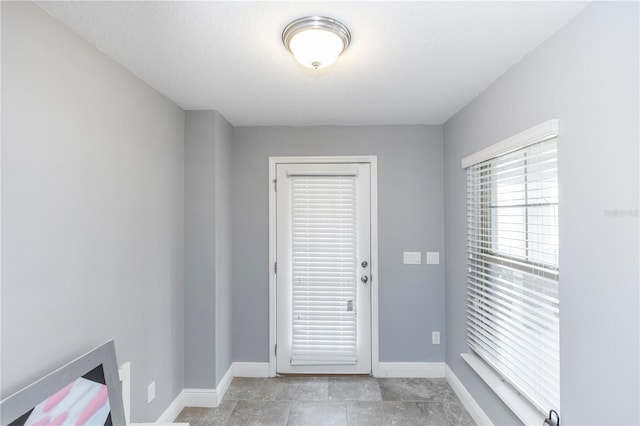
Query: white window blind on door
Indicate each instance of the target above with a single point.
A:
(324, 260)
(513, 269)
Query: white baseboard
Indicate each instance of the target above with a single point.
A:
(208, 398)
(224, 384)
(173, 410)
(200, 398)
(429, 370)
(478, 415)
(385, 369)
(251, 369)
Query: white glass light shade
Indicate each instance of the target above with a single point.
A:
(316, 48)
(316, 41)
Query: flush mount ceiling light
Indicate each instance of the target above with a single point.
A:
(316, 41)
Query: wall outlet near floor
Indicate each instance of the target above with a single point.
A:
(435, 337)
(151, 392)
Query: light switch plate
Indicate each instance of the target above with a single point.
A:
(433, 257)
(412, 258)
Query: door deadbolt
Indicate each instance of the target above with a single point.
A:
(364, 264)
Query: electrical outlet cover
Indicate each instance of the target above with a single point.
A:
(151, 392)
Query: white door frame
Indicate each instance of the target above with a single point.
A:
(373, 161)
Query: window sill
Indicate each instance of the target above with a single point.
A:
(526, 412)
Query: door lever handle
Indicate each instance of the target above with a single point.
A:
(364, 279)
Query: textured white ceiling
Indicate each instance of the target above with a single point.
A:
(408, 63)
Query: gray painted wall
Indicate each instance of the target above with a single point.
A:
(587, 76)
(223, 245)
(92, 216)
(199, 250)
(410, 206)
(93, 169)
(207, 248)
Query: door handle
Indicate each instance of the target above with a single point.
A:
(364, 279)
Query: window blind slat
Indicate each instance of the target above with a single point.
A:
(516, 291)
(323, 270)
(513, 269)
(514, 360)
(480, 320)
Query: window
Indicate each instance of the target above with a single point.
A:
(513, 265)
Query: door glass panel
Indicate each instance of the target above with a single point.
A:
(324, 267)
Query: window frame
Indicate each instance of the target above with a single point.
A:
(523, 264)
(486, 247)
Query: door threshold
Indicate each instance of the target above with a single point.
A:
(323, 375)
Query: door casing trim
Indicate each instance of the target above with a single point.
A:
(373, 161)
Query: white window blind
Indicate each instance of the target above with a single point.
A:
(513, 269)
(324, 269)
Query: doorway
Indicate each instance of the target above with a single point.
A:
(323, 293)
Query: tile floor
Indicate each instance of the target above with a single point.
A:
(344, 400)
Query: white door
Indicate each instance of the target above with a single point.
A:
(323, 291)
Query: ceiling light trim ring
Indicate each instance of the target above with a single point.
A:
(316, 23)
